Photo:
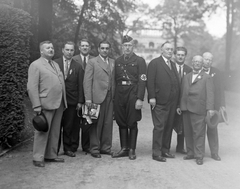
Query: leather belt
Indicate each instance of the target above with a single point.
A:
(126, 83)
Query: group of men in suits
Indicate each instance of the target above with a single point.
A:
(179, 96)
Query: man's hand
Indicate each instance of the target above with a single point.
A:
(88, 103)
(179, 112)
(223, 108)
(211, 112)
(138, 104)
(79, 105)
(152, 103)
(37, 110)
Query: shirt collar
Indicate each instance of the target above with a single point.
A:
(104, 60)
(82, 56)
(65, 60)
(165, 59)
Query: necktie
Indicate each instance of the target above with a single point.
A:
(180, 72)
(51, 63)
(66, 69)
(84, 62)
(169, 64)
(126, 58)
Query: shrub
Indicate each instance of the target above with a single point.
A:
(14, 55)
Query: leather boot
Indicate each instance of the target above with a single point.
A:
(124, 144)
(133, 143)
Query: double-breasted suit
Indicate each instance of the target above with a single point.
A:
(178, 120)
(219, 101)
(197, 98)
(46, 89)
(163, 85)
(85, 140)
(99, 87)
(75, 95)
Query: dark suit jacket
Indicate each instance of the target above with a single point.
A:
(197, 97)
(73, 82)
(219, 97)
(78, 59)
(159, 80)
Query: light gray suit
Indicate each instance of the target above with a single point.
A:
(99, 87)
(46, 89)
(197, 98)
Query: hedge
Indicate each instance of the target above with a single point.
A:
(14, 55)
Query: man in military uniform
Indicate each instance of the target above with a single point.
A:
(130, 78)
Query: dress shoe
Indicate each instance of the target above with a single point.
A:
(124, 152)
(216, 157)
(56, 160)
(188, 157)
(86, 150)
(39, 163)
(96, 155)
(199, 161)
(159, 158)
(106, 153)
(181, 151)
(168, 155)
(69, 153)
(132, 154)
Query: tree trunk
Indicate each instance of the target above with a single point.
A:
(230, 21)
(80, 20)
(45, 10)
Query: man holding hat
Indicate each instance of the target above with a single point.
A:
(130, 78)
(219, 102)
(46, 91)
(197, 100)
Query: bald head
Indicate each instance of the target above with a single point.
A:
(197, 62)
(207, 60)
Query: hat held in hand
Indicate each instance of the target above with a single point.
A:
(212, 121)
(223, 116)
(40, 122)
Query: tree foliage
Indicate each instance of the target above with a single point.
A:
(14, 54)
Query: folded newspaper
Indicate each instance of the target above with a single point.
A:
(90, 112)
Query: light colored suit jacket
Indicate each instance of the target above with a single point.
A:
(197, 96)
(45, 85)
(96, 79)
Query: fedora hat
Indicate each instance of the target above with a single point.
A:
(40, 122)
(212, 121)
(223, 116)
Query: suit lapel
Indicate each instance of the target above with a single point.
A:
(199, 77)
(103, 64)
(165, 66)
(48, 66)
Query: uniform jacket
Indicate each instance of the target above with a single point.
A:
(160, 80)
(96, 79)
(45, 85)
(73, 82)
(219, 96)
(197, 97)
(78, 59)
(136, 69)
